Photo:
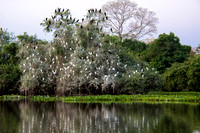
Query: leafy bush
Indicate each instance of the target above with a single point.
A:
(184, 76)
(141, 80)
(176, 77)
(9, 79)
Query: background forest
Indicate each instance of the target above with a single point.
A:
(92, 56)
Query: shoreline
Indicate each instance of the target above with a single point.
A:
(152, 97)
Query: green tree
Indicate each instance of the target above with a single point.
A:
(193, 74)
(134, 45)
(5, 37)
(9, 79)
(176, 77)
(9, 70)
(25, 38)
(166, 50)
(184, 76)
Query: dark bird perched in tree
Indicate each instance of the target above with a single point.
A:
(81, 27)
(100, 11)
(111, 30)
(88, 11)
(73, 21)
(49, 22)
(91, 21)
(56, 35)
(58, 9)
(70, 18)
(55, 10)
(106, 18)
(46, 19)
(105, 13)
(101, 28)
(63, 10)
(53, 17)
(60, 23)
(82, 19)
(34, 47)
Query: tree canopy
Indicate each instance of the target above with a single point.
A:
(165, 51)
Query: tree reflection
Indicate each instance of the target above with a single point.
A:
(59, 117)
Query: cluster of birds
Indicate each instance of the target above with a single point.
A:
(90, 64)
(107, 69)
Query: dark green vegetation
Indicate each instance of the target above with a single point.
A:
(83, 59)
(151, 97)
(183, 97)
(165, 51)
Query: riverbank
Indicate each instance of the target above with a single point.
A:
(150, 97)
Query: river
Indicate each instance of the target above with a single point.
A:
(59, 117)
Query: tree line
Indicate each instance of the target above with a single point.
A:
(89, 56)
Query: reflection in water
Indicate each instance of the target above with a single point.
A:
(58, 117)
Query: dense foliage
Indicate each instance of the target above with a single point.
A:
(9, 70)
(165, 51)
(184, 76)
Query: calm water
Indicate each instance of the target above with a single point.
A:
(58, 117)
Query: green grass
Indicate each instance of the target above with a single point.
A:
(11, 97)
(132, 98)
(151, 97)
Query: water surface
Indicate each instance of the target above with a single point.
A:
(59, 117)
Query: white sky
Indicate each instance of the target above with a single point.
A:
(179, 16)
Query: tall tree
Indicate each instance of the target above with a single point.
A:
(127, 20)
(165, 51)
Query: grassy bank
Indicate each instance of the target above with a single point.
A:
(150, 97)
(132, 98)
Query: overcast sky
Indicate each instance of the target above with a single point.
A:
(179, 16)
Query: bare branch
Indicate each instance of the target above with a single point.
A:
(128, 20)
